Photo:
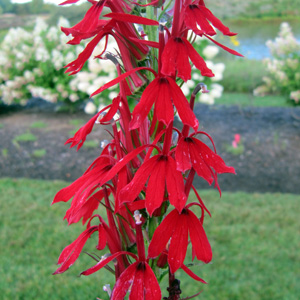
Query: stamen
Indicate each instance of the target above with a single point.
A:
(137, 217)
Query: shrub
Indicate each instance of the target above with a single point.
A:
(283, 69)
(31, 65)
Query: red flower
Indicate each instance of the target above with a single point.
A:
(176, 56)
(161, 170)
(143, 280)
(191, 152)
(196, 14)
(176, 226)
(163, 91)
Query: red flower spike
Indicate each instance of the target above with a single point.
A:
(176, 56)
(197, 14)
(176, 226)
(162, 92)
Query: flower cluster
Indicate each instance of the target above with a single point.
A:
(283, 68)
(144, 176)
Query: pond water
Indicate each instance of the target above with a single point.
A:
(253, 35)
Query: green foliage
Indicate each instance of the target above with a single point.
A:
(242, 75)
(253, 237)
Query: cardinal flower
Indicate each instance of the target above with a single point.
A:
(176, 56)
(191, 152)
(161, 170)
(163, 92)
(196, 15)
(177, 226)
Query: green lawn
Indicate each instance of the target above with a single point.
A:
(244, 99)
(254, 238)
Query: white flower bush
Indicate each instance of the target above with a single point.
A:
(31, 65)
(283, 69)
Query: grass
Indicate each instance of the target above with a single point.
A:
(4, 152)
(242, 75)
(39, 153)
(38, 125)
(243, 99)
(253, 236)
(91, 144)
(1, 125)
(25, 137)
(76, 122)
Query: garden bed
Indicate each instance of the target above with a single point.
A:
(32, 146)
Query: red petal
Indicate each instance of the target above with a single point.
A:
(215, 21)
(76, 65)
(152, 288)
(182, 156)
(185, 113)
(80, 136)
(113, 110)
(224, 47)
(192, 274)
(212, 159)
(163, 105)
(162, 234)
(131, 19)
(169, 58)
(203, 23)
(199, 165)
(142, 109)
(175, 185)
(101, 237)
(156, 186)
(199, 240)
(120, 78)
(137, 290)
(197, 60)
(123, 283)
(132, 190)
(104, 262)
(70, 254)
(179, 243)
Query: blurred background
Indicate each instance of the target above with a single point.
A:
(252, 112)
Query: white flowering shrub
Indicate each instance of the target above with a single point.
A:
(31, 65)
(284, 67)
(208, 52)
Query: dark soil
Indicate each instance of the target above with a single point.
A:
(270, 161)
